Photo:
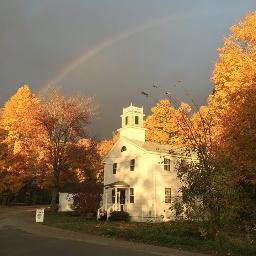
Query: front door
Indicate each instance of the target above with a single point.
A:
(121, 199)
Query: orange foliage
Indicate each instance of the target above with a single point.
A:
(105, 145)
(19, 114)
(233, 101)
(18, 122)
(40, 138)
(63, 122)
(85, 160)
(166, 124)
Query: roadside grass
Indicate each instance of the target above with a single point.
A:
(181, 235)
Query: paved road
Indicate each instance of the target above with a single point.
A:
(18, 243)
(20, 235)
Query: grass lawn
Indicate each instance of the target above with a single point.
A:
(175, 234)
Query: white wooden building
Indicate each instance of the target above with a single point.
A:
(139, 176)
(65, 202)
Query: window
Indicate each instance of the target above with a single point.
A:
(126, 120)
(113, 196)
(132, 195)
(168, 196)
(132, 165)
(167, 163)
(123, 148)
(114, 168)
(136, 121)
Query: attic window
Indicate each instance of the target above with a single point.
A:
(123, 148)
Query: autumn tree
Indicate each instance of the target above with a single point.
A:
(105, 145)
(43, 141)
(63, 121)
(85, 161)
(18, 139)
(234, 104)
(160, 124)
(4, 155)
(168, 123)
(190, 134)
(221, 184)
(233, 100)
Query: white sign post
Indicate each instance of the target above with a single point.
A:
(40, 215)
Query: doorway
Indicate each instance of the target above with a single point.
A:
(121, 198)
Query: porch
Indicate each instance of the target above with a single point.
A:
(116, 197)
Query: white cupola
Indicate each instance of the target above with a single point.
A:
(132, 123)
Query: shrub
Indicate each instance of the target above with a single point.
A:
(87, 200)
(119, 216)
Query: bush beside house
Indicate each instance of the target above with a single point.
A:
(87, 199)
(119, 216)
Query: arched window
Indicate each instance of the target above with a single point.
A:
(123, 148)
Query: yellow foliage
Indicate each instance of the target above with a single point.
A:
(18, 122)
(43, 140)
(166, 124)
(105, 145)
(233, 102)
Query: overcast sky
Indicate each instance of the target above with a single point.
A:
(114, 49)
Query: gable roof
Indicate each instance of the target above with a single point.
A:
(155, 147)
(120, 139)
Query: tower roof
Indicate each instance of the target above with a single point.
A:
(133, 109)
(132, 123)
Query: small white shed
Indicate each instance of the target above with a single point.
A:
(65, 202)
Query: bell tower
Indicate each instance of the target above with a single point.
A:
(132, 123)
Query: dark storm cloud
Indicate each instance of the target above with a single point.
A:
(40, 38)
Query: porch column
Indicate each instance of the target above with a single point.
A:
(115, 198)
(106, 199)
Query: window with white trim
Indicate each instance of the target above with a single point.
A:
(113, 195)
(168, 196)
(132, 165)
(114, 168)
(167, 164)
(132, 195)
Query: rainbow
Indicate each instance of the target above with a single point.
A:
(89, 53)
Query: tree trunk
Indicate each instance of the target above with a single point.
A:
(54, 204)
